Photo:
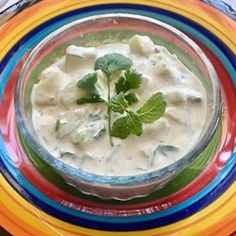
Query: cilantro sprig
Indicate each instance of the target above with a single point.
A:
(131, 122)
(110, 64)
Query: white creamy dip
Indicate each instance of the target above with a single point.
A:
(78, 134)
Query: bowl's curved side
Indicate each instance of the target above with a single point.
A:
(119, 187)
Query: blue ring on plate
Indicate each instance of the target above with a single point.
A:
(113, 218)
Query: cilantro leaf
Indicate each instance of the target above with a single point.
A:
(121, 85)
(118, 103)
(111, 63)
(130, 80)
(84, 100)
(131, 98)
(134, 123)
(133, 78)
(87, 83)
(153, 109)
(120, 128)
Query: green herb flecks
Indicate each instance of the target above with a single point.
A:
(84, 100)
(100, 134)
(58, 123)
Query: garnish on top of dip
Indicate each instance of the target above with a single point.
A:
(118, 109)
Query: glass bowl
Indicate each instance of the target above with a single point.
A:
(111, 28)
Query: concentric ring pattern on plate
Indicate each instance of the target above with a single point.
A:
(191, 205)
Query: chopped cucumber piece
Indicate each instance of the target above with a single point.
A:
(83, 137)
(94, 131)
(175, 97)
(75, 56)
(141, 45)
(193, 96)
(69, 121)
(70, 94)
(46, 91)
(100, 134)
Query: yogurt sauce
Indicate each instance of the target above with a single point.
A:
(77, 134)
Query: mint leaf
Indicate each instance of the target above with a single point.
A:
(130, 80)
(84, 100)
(118, 103)
(124, 126)
(153, 109)
(134, 124)
(111, 63)
(131, 98)
(87, 83)
(120, 128)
